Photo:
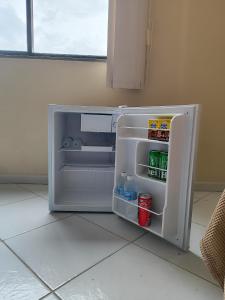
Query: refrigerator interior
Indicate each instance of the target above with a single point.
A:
(133, 146)
(83, 175)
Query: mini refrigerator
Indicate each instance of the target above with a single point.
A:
(89, 148)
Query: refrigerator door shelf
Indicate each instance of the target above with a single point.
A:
(142, 128)
(123, 205)
(134, 203)
(142, 156)
(144, 140)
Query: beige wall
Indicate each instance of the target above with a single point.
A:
(187, 66)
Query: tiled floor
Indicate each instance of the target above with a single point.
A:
(94, 256)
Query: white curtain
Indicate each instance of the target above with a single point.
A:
(127, 39)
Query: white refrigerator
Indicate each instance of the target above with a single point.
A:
(89, 148)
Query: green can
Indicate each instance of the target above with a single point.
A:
(153, 161)
(163, 160)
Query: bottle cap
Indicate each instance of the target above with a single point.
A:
(124, 174)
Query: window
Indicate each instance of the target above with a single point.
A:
(54, 28)
(13, 25)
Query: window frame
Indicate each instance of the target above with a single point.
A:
(34, 55)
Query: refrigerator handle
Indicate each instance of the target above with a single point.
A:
(119, 112)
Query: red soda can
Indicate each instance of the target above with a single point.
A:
(144, 216)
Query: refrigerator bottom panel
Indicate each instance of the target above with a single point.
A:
(84, 201)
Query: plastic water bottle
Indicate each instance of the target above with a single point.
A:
(130, 193)
(121, 205)
(121, 183)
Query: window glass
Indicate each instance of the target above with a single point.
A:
(13, 25)
(70, 27)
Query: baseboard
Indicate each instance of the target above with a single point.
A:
(43, 179)
(209, 186)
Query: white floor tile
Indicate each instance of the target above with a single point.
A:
(63, 249)
(133, 273)
(185, 260)
(38, 189)
(11, 193)
(197, 232)
(203, 209)
(16, 281)
(25, 215)
(115, 224)
(200, 195)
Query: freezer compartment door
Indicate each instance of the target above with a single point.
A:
(96, 123)
(171, 185)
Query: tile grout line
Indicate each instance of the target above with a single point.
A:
(202, 197)
(57, 296)
(45, 296)
(28, 267)
(97, 263)
(30, 198)
(22, 188)
(172, 263)
(205, 196)
(204, 226)
(106, 229)
(29, 190)
(38, 227)
(49, 294)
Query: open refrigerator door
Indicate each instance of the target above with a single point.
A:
(155, 148)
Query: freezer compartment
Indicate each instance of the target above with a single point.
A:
(85, 188)
(88, 148)
(72, 135)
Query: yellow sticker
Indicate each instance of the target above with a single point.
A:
(154, 124)
(164, 123)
